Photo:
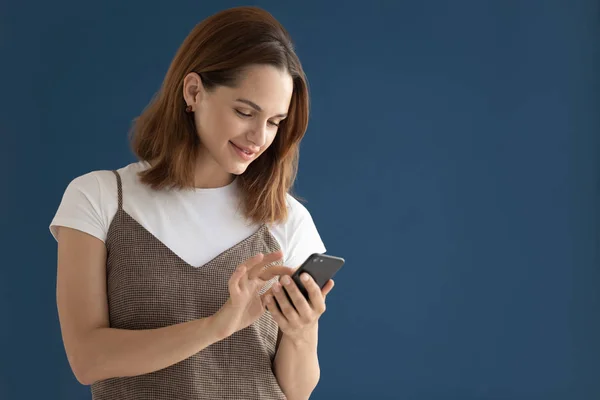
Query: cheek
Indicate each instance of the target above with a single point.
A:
(200, 124)
(228, 126)
(203, 124)
(234, 126)
(217, 126)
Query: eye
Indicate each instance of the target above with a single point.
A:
(242, 114)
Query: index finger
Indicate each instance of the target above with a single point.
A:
(256, 269)
(274, 271)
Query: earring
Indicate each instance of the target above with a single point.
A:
(188, 109)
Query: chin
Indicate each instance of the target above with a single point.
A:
(238, 169)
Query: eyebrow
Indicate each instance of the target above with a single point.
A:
(257, 107)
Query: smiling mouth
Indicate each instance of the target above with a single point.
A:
(242, 153)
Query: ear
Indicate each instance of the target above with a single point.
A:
(193, 90)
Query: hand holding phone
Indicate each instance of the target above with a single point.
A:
(321, 267)
(296, 319)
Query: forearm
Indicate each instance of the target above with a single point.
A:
(108, 353)
(296, 365)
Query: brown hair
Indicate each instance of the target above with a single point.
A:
(218, 49)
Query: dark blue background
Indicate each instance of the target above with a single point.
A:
(452, 159)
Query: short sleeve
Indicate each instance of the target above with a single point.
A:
(303, 238)
(81, 208)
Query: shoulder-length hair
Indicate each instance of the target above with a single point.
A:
(218, 49)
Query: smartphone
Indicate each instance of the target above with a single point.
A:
(321, 267)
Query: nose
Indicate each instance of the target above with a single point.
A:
(258, 135)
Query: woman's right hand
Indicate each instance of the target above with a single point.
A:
(244, 305)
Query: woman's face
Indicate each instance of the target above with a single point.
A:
(236, 125)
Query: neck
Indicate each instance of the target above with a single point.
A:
(210, 175)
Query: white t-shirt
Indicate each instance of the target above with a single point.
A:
(196, 224)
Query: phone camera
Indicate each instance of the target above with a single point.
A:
(315, 260)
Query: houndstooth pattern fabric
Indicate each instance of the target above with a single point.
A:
(149, 286)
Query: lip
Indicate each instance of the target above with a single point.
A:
(240, 152)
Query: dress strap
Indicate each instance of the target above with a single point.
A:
(119, 189)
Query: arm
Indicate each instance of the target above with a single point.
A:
(94, 350)
(296, 365)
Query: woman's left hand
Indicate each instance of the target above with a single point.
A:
(296, 323)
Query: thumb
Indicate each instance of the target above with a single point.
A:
(327, 288)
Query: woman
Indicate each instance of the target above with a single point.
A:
(168, 268)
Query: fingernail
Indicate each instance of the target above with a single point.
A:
(276, 287)
(304, 277)
(286, 280)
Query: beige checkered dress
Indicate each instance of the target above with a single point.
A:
(149, 287)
